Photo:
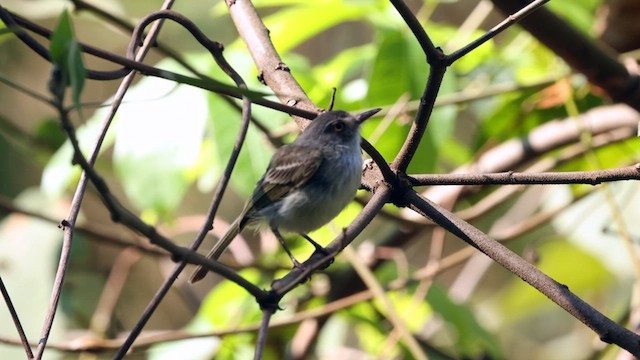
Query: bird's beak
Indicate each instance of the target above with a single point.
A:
(360, 118)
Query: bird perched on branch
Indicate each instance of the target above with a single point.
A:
(307, 182)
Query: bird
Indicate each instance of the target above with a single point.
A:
(306, 184)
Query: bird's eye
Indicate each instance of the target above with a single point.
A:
(338, 126)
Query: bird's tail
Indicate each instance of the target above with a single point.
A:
(222, 244)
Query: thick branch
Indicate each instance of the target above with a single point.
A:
(609, 331)
(273, 71)
(583, 54)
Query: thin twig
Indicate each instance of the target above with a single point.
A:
(16, 319)
(547, 137)
(543, 178)
(129, 64)
(506, 23)
(216, 51)
(121, 214)
(115, 240)
(392, 315)
(128, 28)
(69, 224)
(26, 90)
(112, 290)
(262, 333)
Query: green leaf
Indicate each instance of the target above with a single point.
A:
(579, 13)
(439, 131)
(223, 125)
(413, 313)
(372, 339)
(67, 59)
(390, 142)
(391, 75)
(290, 27)
(60, 38)
(4, 30)
(479, 56)
(49, 133)
(77, 72)
(349, 64)
(222, 128)
(473, 340)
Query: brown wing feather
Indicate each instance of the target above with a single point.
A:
(290, 168)
(293, 165)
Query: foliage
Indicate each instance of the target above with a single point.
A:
(171, 143)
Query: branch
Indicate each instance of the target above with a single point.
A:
(273, 72)
(318, 260)
(510, 20)
(597, 62)
(501, 195)
(15, 21)
(16, 319)
(120, 214)
(439, 62)
(128, 28)
(431, 51)
(262, 333)
(115, 240)
(215, 50)
(545, 178)
(609, 331)
(276, 74)
(546, 137)
(69, 224)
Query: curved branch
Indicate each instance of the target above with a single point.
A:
(215, 49)
(205, 83)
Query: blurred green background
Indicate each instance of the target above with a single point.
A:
(169, 144)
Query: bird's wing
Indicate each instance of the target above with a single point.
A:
(290, 168)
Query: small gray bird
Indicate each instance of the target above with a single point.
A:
(307, 183)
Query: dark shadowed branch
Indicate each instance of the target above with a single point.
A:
(597, 62)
